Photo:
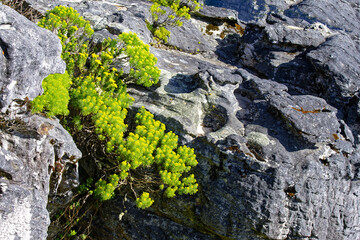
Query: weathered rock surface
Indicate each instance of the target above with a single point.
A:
(29, 54)
(273, 116)
(35, 152)
(32, 148)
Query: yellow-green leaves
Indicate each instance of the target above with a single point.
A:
(169, 13)
(56, 96)
(73, 32)
(162, 34)
(144, 201)
(105, 191)
(98, 90)
(142, 62)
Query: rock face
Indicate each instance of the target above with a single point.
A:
(273, 113)
(32, 148)
(28, 55)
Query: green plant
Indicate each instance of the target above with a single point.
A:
(167, 13)
(56, 96)
(98, 92)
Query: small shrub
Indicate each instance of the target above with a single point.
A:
(98, 92)
(167, 13)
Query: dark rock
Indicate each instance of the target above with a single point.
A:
(294, 35)
(271, 115)
(338, 65)
(336, 15)
(257, 88)
(308, 116)
(126, 220)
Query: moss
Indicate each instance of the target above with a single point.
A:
(210, 28)
(257, 139)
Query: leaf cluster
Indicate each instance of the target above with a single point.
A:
(98, 91)
(56, 96)
(165, 13)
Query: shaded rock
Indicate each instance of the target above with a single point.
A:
(29, 54)
(257, 88)
(336, 15)
(126, 220)
(309, 116)
(338, 66)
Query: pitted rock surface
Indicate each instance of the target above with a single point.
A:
(272, 114)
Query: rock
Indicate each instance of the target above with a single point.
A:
(29, 54)
(294, 35)
(272, 116)
(214, 13)
(254, 10)
(188, 39)
(338, 66)
(315, 124)
(33, 149)
(336, 15)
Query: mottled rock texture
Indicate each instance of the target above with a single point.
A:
(32, 147)
(29, 53)
(273, 114)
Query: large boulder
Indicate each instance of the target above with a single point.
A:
(29, 53)
(273, 116)
(37, 155)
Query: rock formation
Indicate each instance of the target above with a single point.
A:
(32, 147)
(269, 98)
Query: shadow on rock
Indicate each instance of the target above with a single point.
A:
(182, 84)
(227, 49)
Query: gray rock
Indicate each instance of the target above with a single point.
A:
(335, 14)
(315, 124)
(188, 39)
(278, 157)
(29, 54)
(338, 65)
(254, 10)
(213, 12)
(295, 35)
(32, 149)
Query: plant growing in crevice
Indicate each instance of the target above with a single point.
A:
(99, 100)
(169, 13)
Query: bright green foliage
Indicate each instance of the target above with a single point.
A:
(72, 233)
(56, 96)
(73, 32)
(150, 144)
(162, 34)
(169, 13)
(105, 191)
(144, 201)
(98, 90)
(142, 63)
